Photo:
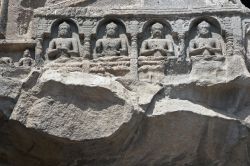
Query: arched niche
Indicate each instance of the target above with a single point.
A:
(99, 32)
(54, 33)
(145, 31)
(55, 26)
(216, 30)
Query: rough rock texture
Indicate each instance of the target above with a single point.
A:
(87, 119)
(99, 101)
(124, 83)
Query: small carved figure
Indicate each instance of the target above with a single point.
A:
(204, 43)
(6, 61)
(64, 45)
(232, 1)
(26, 61)
(157, 45)
(112, 45)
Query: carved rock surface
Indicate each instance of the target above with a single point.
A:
(124, 83)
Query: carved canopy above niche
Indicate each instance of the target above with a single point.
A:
(162, 4)
(93, 3)
(183, 3)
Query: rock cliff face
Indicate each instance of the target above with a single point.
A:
(115, 83)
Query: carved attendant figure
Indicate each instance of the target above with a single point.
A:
(157, 45)
(64, 45)
(204, 44)
(26, 60)
(6, 61)
(112, 45)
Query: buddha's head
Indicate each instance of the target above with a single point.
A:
(64, 30)
(112, 30)
(204, 29)
(157, 30)
(26, 53)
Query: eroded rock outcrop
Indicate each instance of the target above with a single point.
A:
(125, 83)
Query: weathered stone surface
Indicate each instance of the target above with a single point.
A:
(11, 81)
(98, 101)
(128, 122)
(130, 83)
(185, 138)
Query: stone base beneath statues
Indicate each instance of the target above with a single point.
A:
(207, 67)
(175, 67)
(154, 69)
(114, 66)
(110, 66)
(151, 69)
(67, 64)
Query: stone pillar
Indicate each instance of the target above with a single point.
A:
(87, 46)
(3, 18)
(133, 30)
(237, 35)
(134, 56)
(39, 51)
(229, 42)
(229, 36)
(235, 48)
(181, 53)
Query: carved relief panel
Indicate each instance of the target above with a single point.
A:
(111, 40)
(23, 60)
(206, 40)
(64, 45)
(63, 41)
(26, 60)
(207, 48)
(110, 48)
(156, 47)
(157, 44)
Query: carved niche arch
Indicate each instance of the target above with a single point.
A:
(53, 33)
(216, 30)
(145, 32)
(55, 25)
(99, 31)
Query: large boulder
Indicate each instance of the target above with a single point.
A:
(75, 105)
